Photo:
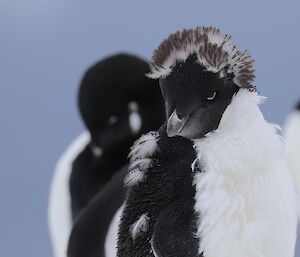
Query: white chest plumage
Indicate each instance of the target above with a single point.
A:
(59, 208)
(245, 197)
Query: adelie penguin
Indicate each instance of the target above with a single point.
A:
(117, 103)
(212, 182)
(291, 134)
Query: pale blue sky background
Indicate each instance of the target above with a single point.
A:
(45, 46)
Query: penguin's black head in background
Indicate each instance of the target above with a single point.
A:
(199, 73)
(298, 106)
(117, 101)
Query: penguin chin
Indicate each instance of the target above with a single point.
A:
(107, 140)
(193, 132)
(201, 122)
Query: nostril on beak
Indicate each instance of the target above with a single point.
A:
(180, 114)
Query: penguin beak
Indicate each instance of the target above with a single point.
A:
(175, 125)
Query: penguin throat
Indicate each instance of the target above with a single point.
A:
(97, 151)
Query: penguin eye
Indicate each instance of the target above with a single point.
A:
(211, 96)
(112, 120)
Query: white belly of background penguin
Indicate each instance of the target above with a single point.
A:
(59, 209)
(243, 199)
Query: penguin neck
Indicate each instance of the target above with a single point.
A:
(242, 114)
(114, 157)
(243, 133)
(241, 117)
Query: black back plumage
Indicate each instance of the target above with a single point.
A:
(167, 198)
(90, 174)
(106, 90)
(90, 229)
(298, 106)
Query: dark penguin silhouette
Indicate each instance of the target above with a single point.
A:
(117, 103)
(94, 232)
(291, 135)
(211, 181)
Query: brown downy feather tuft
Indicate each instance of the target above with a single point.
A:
(214, 52)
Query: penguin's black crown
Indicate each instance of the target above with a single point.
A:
(214, 51)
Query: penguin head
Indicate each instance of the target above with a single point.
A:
(117, 101)
(298, 106)
(199, 73)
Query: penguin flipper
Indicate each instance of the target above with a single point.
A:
(174, 231)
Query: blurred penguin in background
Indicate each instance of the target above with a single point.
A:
(291, 134)
(117, 103)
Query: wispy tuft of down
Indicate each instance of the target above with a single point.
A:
(214, 51)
